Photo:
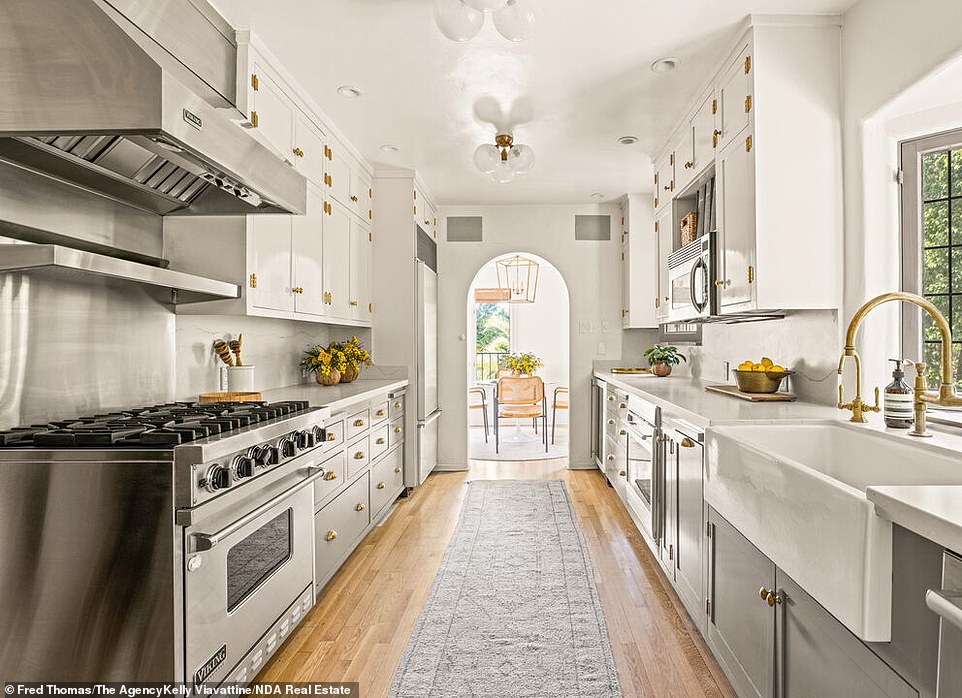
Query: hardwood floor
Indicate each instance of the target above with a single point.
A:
(361, 623)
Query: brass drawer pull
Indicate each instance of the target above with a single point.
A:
(380, 441)
(359, 422)
(331, 535)
(397, 430)
(379, 413)
(611, 456)
(359, 455)
(610, 422)
(380, 485)
(611, 398)
(330, 476)
(621, 472)
(397, 405)
(622, 406)
(298, 152)
(332, 437)
(353, 303)
(354, 198)
(397, 469)
(359, 507)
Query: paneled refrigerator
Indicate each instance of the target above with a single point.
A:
(427, 358)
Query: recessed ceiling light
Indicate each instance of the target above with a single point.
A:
(628, 140)
(388, 148)
(348, 91)
(597, 195)
(664, 65)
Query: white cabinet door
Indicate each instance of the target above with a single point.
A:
(702, 127)
(361, 282)
(361, 192)
(664, 181)
(270, 262)
(663, 222)
(272, 114)
(308, 149)
(307, 235)
(734, 99)
(337, 261)
(684, 156)
(735, 189)
(625, 282)
(337, 173)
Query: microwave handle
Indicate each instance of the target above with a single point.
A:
(700, 263)
(206, 541)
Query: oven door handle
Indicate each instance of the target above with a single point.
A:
(699, 264)
(206, 541)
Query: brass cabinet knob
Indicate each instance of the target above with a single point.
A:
(622, 432)
(397, 469)
(353, 302)
(611, 398)
(331, 535)
(397, 405)
(687, 443)
(689, 165)
(719, 282)
(359, 507)
(359, 422)
(331, 476)
(297, 289)
(611, 421)
(611, 456)
(621, 472)
(769, 596)
(622, 406)
(359, 455)
(380, 441)
(397, 430)
(298, 152)
(332, 437)
(379, 413)
(380, 485)
(354, 198)
(667, 188)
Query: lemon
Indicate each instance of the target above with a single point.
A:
(777, 369)
(759, 367)
(746, 366)
(767, 363)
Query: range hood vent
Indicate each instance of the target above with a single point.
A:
(92, 107)
(176, 287)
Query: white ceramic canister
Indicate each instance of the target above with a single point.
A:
(240, 379)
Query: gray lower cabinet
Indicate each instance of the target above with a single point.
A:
(338, 526)
(774, 640)
(387, 480)
(685, 522)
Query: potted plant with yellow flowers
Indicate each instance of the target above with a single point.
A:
(355, 356)
(524, 364)
(326, 365)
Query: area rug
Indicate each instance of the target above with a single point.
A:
(514, 610)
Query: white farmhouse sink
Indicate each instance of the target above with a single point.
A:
(797, 492)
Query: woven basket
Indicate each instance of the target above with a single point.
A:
(688, 227)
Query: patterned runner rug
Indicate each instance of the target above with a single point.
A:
(514, 611)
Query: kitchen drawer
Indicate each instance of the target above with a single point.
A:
(616, 466)
(335, 436)
(358, 455)
(357, 424)
(396, 432)
(379, 412)
(613, 427)
(380, 440)
(338, 525)
(333, 481)
(387, 480)
(397, 407)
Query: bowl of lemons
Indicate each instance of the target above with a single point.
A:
(763, 377)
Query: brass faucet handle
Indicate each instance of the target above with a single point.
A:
(866, 408)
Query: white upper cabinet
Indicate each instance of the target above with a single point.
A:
(307, 236)
(362, 193)
(272, 113)
(735, 183)
(337, 262)
(639, 256)
(702, 126)
(308, 149)
(337, 173)
(663, 234)
(269, 259)
(362, 301)
(734, 98)
(664, 180)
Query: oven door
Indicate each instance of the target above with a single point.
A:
(690, 290)
(643, 474)
(244, 568)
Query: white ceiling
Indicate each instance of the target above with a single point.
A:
(584, 78)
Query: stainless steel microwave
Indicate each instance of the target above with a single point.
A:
(691, 290)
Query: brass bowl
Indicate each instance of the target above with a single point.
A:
(759, 381)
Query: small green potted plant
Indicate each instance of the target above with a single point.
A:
(662, 357)
(325, 365)
(355, 356)
(524, 364)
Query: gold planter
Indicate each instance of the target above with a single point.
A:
(350, 374)
(333, 378)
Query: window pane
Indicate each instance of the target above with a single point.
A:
(956, 318)
(932, 356)
(957, 220)
(935, 224)
(957, 172)
(930, 333)
(957, 272)
(935, 175)
(935, 271)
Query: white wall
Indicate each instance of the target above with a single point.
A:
(888, 48)
(592, 273)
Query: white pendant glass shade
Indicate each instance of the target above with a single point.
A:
(515, 21)
(457, 20)
(521, 159)
(503, 173)
(486, 5)
(487, 158)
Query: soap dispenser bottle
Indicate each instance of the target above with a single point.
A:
(899, 400)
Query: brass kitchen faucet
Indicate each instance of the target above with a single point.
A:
(945, 397)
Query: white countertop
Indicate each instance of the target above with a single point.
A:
(336, 396)
(932, 511)
(687, 399)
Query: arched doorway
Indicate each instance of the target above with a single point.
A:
(518, 303)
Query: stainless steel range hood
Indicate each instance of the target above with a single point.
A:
(175, 286)
(85, 103)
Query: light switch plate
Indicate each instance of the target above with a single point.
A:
(605, 326)
(602, 348)
(585, 327)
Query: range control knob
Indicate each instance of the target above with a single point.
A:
(305, 439)
(288, 447)
(320, 435)
(266, 455)
(243, 466)
(218, 478)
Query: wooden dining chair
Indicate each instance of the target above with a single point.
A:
(558, 402)
(482, 405)
(520, 397)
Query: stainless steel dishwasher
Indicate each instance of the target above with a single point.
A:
(947, 603)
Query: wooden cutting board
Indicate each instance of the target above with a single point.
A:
(733, 391)
(231, 397)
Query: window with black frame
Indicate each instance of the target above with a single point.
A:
(932, 243)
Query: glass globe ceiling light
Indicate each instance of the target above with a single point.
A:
(505, 160)
(461, 20)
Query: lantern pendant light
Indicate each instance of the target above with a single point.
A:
(518, 278)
